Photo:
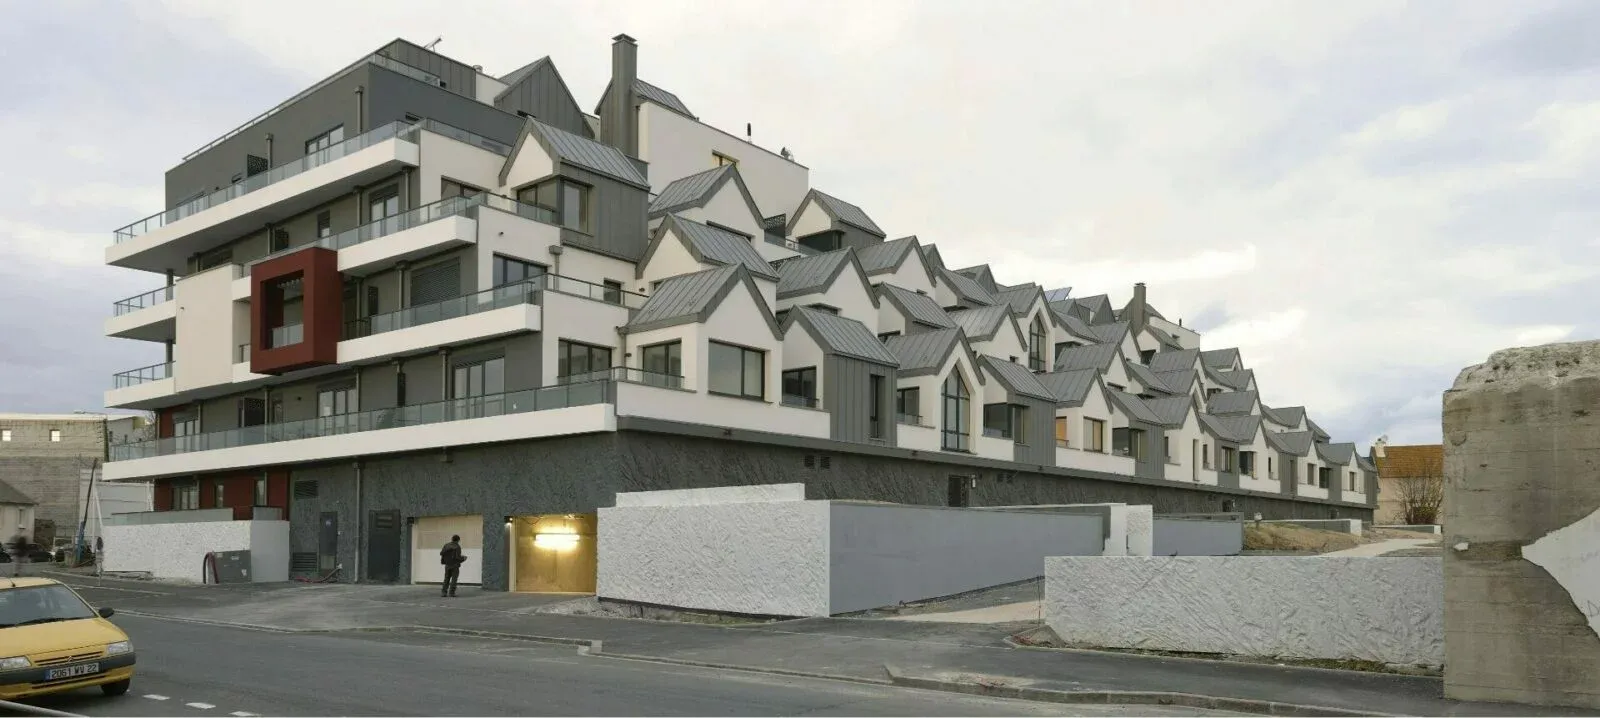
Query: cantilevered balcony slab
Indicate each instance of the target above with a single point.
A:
(454, 331)
(166, 241)
(151, 317)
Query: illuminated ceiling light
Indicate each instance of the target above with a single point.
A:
(555, 541)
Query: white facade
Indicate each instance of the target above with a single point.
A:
(676, 146)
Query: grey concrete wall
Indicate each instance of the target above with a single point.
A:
(1521, 443)
(1348, 526)
(884, 554)
(47, 471)
(1197, 537)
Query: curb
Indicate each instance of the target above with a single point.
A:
(742, 669)
(1012, 642)
(1161, 698)
(588, 646)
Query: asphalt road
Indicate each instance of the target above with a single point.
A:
(201, 670)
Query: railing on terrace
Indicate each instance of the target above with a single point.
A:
(994, 433)
(524, 292)
(288, 334)
(589, 290)
(628, 375)
(244, 353)
(143, 301)
(438, 412)
(270, 177)
(911, 419)
(431, 212)
(135, 377)
(790, 244)
(521, 209)
(471, 138)
(809, 402)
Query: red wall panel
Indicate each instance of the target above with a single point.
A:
(322, 311)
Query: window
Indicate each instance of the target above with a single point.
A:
(5, 434)
(1004, 421)
(1352, 486)
(383, 203)
(219, 494)
(336, 402)
(451, 188)
(1269, 467)
(664, 359)
(1146, 355)
(800, 387)
(1311, 475)
(55, 436)
(325, 140)
(186, 424)
(186, 496)
(1061, 432)
(957, 412)
(1094, 435)
(1206, 455)
(214, 258)
(737, 371)
(580, 361)
(1247, 463)
(575, 209)
(1166, 449)
(279, 241)
(324, 224)
(1229, 461)
(719, 159)
(1323, 474)
(1036, 345)
(1128, 442)
(875, 407)
(511, 271)
(372, 302)
(260, 497)
(1213, 391)
(884, 336)
(545, 195)
(908, 404)
(613, 291)
(482, 378)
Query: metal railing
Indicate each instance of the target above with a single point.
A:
(589, 290)
(460, 135)
(438, 412)
(287, 335)
(628, 375)
(543, 215)
(994, 433)
(525, 292)
(808, 402)
(135, 377)
(143, 301)
(911, 419)
(264, 179)
(431, 212)
(244, 353)
(790, 244)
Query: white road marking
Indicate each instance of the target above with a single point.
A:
(155, 697)
(242, 714)
(201, 706)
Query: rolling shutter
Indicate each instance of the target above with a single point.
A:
(436, 283)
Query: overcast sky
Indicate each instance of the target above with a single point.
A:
(1363, 196)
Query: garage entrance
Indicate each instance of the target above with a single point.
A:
(553, 553)
(430, 533)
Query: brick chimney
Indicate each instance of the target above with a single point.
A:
(619, 127)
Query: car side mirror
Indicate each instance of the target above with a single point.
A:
(107, 612)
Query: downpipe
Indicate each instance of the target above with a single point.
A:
(361, 527)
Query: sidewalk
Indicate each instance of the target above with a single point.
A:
(1382, 547)
(851, 648)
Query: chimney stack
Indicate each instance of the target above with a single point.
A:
(620, 125)
(1137, 316)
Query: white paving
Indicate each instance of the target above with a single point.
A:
(1008, 613)
(1382, 547)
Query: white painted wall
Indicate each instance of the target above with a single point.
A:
(1007, 342)
(849, 293)
(921, 438)
(1376, 609)
(754, 558)
(812, 219)
(529, 164)
(1312, 489)
(712, 410)
(517, 237)
(676, 146)
(505, 321)
(110, 499)
(670, 259)
(203, 355)
(1263, 481)
(582, 320)
(801, 350)
(889, 318)
(727, 208)
(1186, 450)
(741, 319)
(487, 88)
(912, 274)
(177, 551)
(595, 268)
(759, 493)
(692, 349)
(1186, 337)
(446, 157)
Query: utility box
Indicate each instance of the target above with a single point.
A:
(233, 566)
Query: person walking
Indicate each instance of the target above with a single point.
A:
(19, 552)
(452, 559)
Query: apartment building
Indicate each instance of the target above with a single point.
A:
(417, 299)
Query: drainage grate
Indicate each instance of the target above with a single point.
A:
(303, 562)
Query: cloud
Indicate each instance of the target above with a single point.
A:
(1546, 334)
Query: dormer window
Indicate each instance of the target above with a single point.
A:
(1036, 340)
(1146, 356)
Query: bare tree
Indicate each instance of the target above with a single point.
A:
(1422, 495)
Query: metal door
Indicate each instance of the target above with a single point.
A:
(328, 542)
(960, 491)
(383, 546)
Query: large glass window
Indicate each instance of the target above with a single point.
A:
(334, 406)
(875, 423)
(957, 410)
(511, 271)
(800, 386)
(478, 387)
(325, 140)
(1094, 435)
(1036, 342)
(451, 188)
(737, 371)
(580, 362)
(1061, 432)
(575, 208)
(383, 203)
(664, 359)
(908, 403)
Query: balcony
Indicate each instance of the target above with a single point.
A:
(626, 375)
(908, 419)
(532, 413)
(142, 384)
(501, 311)
(287, 335)
(360, 254)
(150, 317)
(166, 239)
(804, 402)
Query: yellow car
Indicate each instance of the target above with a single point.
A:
(51, 640)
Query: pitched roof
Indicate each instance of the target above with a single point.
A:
(1312, 425)
(811, 273)
(1337, 453)
(589, 154)
(1231, 402)
(1172, 410)
(983, 323)
(1017, 379)
(844, 212)
(1291, 442)
(1174, 360)
(710, 245)
(511, 78)
(10, 495)
(842, 336)
(1219, 357)
(1071, 322)
(1093, 356)
(1365, 462)
(1111, 332)
(691, 298)
(1235, 379)
(981, 274)
(917, 307)
(647, 91)
(1181, 380)
(1284, 416)
(1149, 378)
(1021, 297)
(1413, 461)
(698, 189)
(1240, 428)
(1133, 406)
(1098, 308)
(886, 256)
(1164, 337)
(966, 288)
(1070, 387)
(923, 352)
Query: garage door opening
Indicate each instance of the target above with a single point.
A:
(553, 553)
(430, 533)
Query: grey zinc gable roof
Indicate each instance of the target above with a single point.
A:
(1237, 429)
(647, 91)
(1149, 378)
(886, 256)
(1297, 443)
(1017, 379)
(1172, 410)
(842, 336)
(1365, 462)
(982, 323)
(1133, 406)
(917, 307)
(930, 255)
(845, 212)
(1164, 337)
(1111, 333)
(1074, 325)
(1021, 298)
(589, 154)
(1317, 430)
(1218, 358)
(1343, 453)
(1174, 360)
(711, 245)
(923, 352)
(691, 298)
(983, 275)
(1070, 387)
(966, 288)
(10, 495)
(691, 191)
(809, 274)
(1285, 415)
(1232, 402)
(1181, 380)
(1093, 356)
(1236, 379)
(1099, 307)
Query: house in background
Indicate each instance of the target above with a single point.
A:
(16, 513)
(1407, 474)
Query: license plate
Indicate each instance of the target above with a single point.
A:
(86, 669)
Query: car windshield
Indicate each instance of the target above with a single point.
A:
(41, 604)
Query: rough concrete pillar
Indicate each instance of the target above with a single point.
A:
(1522, 528)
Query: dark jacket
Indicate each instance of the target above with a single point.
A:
(451, 556)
